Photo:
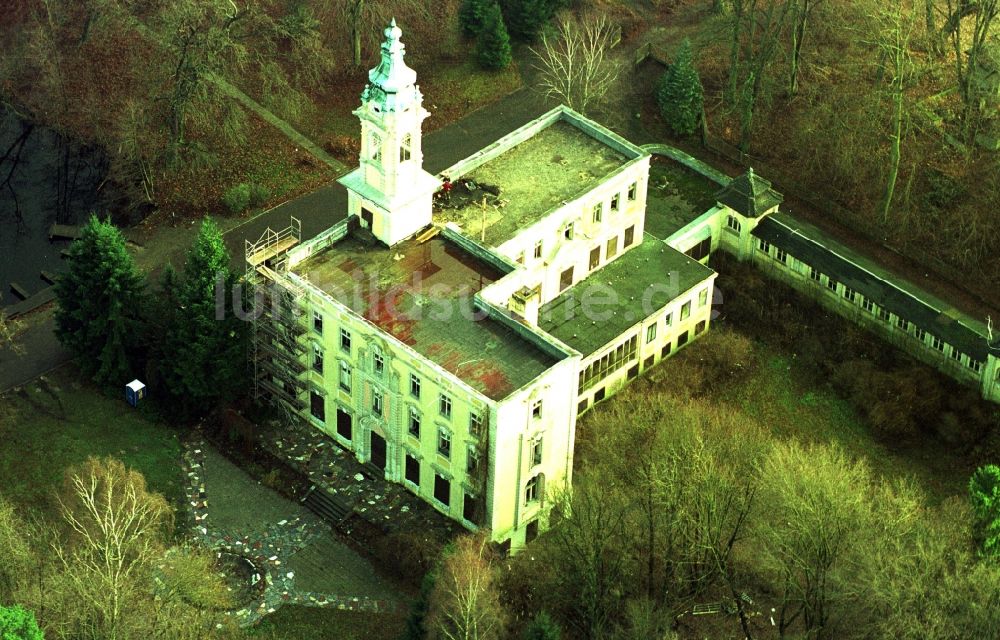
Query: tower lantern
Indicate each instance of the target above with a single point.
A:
(390, 191)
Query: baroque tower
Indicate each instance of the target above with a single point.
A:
(390, 192)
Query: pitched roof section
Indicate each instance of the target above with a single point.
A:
(902, 300)
(749, 194)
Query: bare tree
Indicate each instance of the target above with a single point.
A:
(803, 10)
(756, 29)
(894, 26)
(116, 530)
(576, 66)
(465, 603)
(970, 48)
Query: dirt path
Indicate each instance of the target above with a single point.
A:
(269, 117)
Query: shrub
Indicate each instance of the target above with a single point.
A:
(543, 627)
(258, 194)
(18, 624)
(237, 198)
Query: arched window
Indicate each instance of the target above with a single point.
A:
(375, 146)
(534, 489)
(404, 148)
(733, 224)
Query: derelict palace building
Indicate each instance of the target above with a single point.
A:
(453, 327)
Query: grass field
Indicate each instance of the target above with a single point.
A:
(57, 421)
(310, 623)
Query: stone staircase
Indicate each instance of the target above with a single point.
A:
(327, 506)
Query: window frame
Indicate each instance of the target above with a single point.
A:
(444, 442)
(444, 406)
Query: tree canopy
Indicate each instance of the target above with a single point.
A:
(100, 300)
(680, 94)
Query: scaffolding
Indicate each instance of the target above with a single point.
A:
(276, 346)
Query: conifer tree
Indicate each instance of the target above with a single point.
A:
(542, 627)
(472, 15)
(206, 342)
(100, 299)
(984, 494)
(493, 47)
(525, 18)
(680, 95)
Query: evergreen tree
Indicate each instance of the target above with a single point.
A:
(472, 15)
(680, 94)
(543, 627)
(206, 343)
(525, 18)
(162, 320)
(984, 493)
(18, 624)
(100, 299)
(493, 47)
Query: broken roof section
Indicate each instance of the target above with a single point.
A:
(422, 295)
(750, 195)
(519, 179)
(600, 308)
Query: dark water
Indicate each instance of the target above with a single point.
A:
(54, 180)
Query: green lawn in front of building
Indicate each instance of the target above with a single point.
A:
(312, 623)
(57, 421)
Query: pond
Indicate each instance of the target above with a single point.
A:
(44, 179)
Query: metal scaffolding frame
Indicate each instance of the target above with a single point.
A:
(276, 347)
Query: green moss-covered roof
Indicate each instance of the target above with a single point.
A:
(598, 309)
(529, 180)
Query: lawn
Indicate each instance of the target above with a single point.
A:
(311, 623)
(781, 397)
(57, 421)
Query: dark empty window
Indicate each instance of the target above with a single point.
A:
(566, 279)
(629, 236)
(633, 371)
(414, 386)
(412, 470)
(595, 257)
(344, 424)
(682, 339)
(317, 406)
(470, 508)
(632, 189)
(648, 362)
(318, 322)
(698, 328)
(665, 351)
(442, 489)
(414, 427)
(700, 250)
(580, 408)
(599, 394)
(345, 340)
(615, 201)
(531, 531)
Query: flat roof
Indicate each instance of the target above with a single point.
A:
(600, 308)
(528, 180)
(808, 244)
(676, 196)
(421, 294)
